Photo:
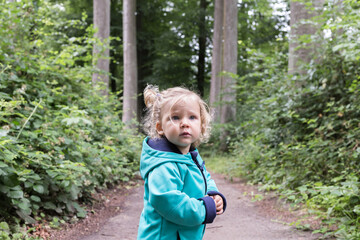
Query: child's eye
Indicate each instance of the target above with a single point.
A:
(174, 118)
(193, 117)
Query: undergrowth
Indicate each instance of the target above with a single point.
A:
(59, 139)
(299, 135)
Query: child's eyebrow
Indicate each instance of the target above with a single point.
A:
(180, 112)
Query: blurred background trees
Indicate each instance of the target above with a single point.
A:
(293, 81)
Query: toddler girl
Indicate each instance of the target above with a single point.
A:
(180, 196)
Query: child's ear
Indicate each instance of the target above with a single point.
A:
(159, 129)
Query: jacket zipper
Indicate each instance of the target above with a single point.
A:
(202, 173)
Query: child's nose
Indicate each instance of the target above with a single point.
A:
(184, 123)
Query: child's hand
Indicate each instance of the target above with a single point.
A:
(219, 204)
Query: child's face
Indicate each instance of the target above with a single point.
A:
(181, 124)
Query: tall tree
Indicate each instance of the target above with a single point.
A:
(224, 60)
(216, 60)
(202, 47)
(130, 62)
(228, 109)
(301, 14)
(101, 49)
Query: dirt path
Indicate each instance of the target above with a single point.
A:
(248, 220)
(243, 219)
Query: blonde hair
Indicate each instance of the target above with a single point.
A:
(156, 100)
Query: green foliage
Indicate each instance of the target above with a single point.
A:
(168, 41)
(299, 135)
(262, 31)
(9, 232)
(59, 140)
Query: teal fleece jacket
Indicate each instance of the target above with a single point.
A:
(177, 189)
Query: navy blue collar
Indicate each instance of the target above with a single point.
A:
(164, 145)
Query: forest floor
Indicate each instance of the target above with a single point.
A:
(250, 215)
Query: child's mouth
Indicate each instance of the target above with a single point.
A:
(185, 134)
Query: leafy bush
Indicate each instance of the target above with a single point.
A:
(59, 139)
(303, 141)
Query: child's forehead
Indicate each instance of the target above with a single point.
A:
(190, 102)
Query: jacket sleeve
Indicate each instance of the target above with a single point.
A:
(165, 196)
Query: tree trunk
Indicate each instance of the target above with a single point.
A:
(101, 55)
(143, 53)
(130, 62)
(217, 60)
(298, 13)
(228, 109)
(224, 64)
(202, 48)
